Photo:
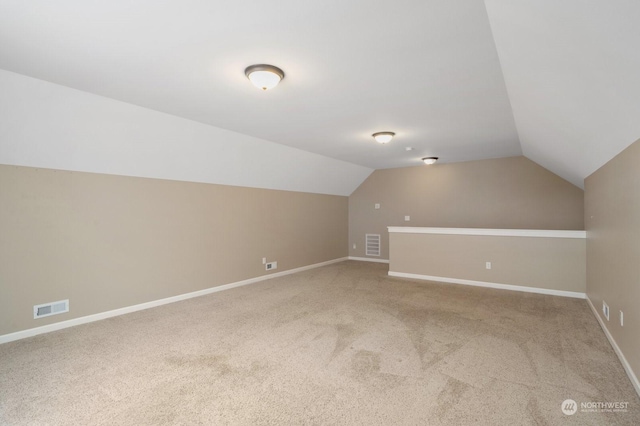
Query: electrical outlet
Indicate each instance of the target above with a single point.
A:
(605, 310)
(407, 218)
(488, 265)
(377, 206)
(621, 319)
(354, 246)
(264, 260)
(271, 265)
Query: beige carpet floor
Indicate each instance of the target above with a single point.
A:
(343, 344)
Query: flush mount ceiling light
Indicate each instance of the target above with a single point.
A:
(264, 76)
(430, 160)
(383, 137)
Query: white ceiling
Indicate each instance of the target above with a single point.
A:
(47, 125)
(444, 75)
(572, 70)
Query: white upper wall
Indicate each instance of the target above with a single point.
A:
(51, 126)
(572, 71)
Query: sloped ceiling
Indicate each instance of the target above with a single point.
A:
(553, 80)
(51, 126)
(572, 71)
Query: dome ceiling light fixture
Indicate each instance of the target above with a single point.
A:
(264, 76)
(383, 137)
(429, 160)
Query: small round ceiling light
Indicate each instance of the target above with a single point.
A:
(264, 76)
(429, 160)
(383, 137)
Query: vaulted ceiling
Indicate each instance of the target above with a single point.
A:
(556, 81)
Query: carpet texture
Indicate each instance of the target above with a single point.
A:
(343, 344)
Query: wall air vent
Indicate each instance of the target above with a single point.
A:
(372, 242)
(48, 309)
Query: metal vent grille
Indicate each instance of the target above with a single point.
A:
(372, 242)
(52, 308)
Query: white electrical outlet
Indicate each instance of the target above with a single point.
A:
(407, 218)
(377, 206)
(621, 319)
(605, 310)
(488, 265)
(271, 265)
(354, 246)
(264, 260)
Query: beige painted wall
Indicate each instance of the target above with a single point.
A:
(107, 242)
(612, 217)
(548, 263)
(500, 193)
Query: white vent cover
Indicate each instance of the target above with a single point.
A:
(48, 309)
(372, 242)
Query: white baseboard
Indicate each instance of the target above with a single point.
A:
(563, 293)
(616, 349)
(126, 310)
(368, 259)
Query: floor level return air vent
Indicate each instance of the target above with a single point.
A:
(373, 244)
(48, 309)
